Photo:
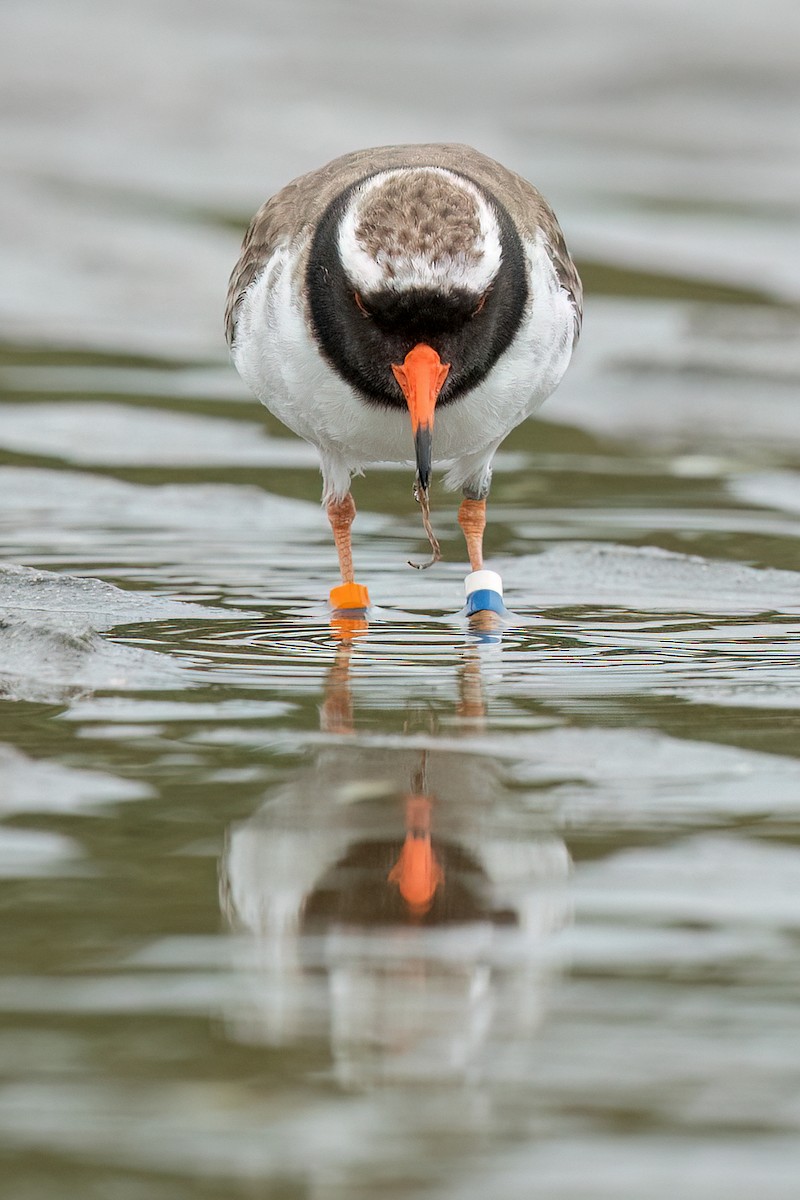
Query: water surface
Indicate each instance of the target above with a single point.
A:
(223, 973)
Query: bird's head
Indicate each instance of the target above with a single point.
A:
(416, 283)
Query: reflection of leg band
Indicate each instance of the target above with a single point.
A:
(349, 596)
(484, 593)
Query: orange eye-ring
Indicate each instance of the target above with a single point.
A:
(360, 305)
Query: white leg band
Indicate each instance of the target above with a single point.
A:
(479, 581)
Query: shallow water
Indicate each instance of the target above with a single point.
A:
(210, 985)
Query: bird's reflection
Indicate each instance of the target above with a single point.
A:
(395, 896)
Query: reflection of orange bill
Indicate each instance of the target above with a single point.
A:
(417, 872)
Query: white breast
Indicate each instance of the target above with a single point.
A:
(278, 357)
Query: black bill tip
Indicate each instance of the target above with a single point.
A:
(423, 445)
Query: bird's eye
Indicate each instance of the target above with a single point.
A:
(361, 306)
(481, 302)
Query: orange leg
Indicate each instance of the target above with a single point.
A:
(341, 514)
(349, 595)
(472, 519)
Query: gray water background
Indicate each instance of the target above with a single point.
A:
(202, 787)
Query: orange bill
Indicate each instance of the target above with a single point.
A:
(421, 378)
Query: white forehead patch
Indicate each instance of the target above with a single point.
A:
(387, 265)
